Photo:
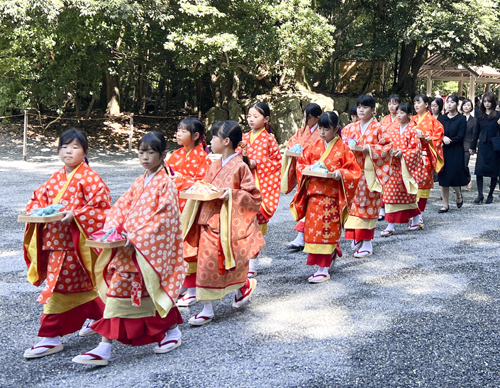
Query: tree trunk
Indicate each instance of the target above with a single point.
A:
(91, 105)
(411, 60)
(368, 80)
(112, 94)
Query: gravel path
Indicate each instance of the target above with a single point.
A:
(422, 311)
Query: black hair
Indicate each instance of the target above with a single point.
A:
(193, 126)
(329, 120)
(491, 98)
(353, 111)
(228, 129)
(453, 98)
(154, 140)
(312, 110)
(405, 107)
(73, 134)
(471, 104)
(395, 98)
(422, 97)
(438, 101)
(366, 100)
(265, 111)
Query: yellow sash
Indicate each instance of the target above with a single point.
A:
(408, 180)
(370, 174)
(66, 184)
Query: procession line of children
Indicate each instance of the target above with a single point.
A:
(180, 252)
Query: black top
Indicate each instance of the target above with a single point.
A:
(487, 159)
(454, 172)
(469, 132)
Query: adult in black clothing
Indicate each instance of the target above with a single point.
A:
(467, 108)
(487, 162)
(437, 107)
(453, 174)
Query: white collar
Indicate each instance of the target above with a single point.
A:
(226, 161)
(363, 128)
(314, 127)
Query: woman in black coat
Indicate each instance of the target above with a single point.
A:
(453, 174)
(467, 108)
(487, 162)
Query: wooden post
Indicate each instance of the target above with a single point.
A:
(460, 88)
(429, 82)
(472, 88)
(131, 134)
(25, 135)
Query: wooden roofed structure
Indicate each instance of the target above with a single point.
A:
(437, 67)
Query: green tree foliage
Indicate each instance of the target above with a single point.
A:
(193, 54)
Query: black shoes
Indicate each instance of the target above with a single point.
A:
(479, 199)
(489, 199)
(443, 210)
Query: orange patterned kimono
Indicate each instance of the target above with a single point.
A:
(304, 137)
(56, 252)
(375, 166)
(263, 149)
(388, 123)
(193, 167)
(325, 202)
(432, 159)
(141, 283)
(224, 235)
(400, 192)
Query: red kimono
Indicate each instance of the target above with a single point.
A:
(193, 167)
(223, 235)
(325, 202)
(304, 137)
(400, 191)
(388, 123)
(263, 149)
(141, 283)
(375, 166)
(432, 159)
(56, 252)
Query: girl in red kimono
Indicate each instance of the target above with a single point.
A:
(140, 282)
(400, 192)
(223, 233)
(325, 202)
(432, 160)
(264, 158)
(190, 164)
(304, 136)
(388, 122)
(55, 252)
(374, 159)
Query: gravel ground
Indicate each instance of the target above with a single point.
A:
(422, 311)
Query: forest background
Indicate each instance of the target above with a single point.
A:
(83, 58)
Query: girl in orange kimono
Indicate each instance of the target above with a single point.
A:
(140, 282)
(374, 159)
(262, 151)
(325, 202)
(224, 233)
(432, 159)
(189, 164)
(55, 252)
(304, 136)
(388, 122)
(400, 192)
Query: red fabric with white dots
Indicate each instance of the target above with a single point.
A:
(265, 152)
(192, 166)
(89, 199)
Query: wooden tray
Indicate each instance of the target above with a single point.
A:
(292, 154)
(39, 220)
(103, 245)
(421, 136)
(356, 148)
(318, 174)
(201, 197)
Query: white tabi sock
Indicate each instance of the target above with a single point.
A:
(299, 240)
(322, 271)
(208, 310)
(390, 226)
(381, 212)
(103, 350)
(190, 292)
(366, 246)
(253, 265)
(46, 341)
